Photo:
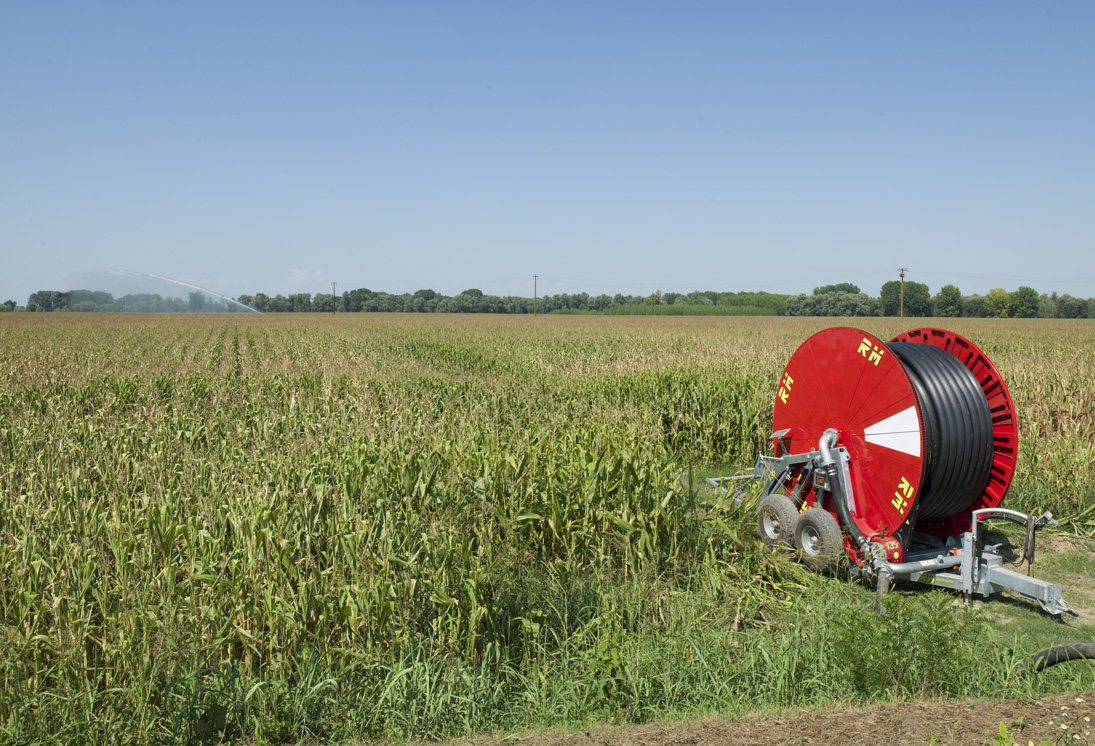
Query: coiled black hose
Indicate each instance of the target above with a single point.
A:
(957, 422)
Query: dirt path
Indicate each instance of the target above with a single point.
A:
(912, 724)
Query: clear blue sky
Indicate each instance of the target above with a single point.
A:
(604, 146)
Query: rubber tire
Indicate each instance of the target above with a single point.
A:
(818, 540)
(776, 516)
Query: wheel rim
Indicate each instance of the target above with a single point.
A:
(810, 541)
(773, 529)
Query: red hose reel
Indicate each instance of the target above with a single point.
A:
(893, 418)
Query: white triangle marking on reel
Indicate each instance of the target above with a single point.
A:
(900, 432)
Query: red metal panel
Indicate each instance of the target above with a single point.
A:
(846, 379)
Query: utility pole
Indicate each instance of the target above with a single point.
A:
(534, 279)
(332, 299)
(902, 272)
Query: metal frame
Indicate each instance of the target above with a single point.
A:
(980, 569)
(962, 563)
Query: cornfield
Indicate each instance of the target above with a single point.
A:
(289, 527)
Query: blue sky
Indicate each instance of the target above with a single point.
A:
(604, 146)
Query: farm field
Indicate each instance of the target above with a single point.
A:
(386, 527)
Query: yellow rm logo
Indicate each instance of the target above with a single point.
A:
(902, 496)
(785, 387)
(871, 351)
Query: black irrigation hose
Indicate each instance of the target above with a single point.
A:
(1069, 651)
(957, 426)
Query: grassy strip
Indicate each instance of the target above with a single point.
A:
(610, 667)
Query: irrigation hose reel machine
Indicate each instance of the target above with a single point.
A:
(893, 454)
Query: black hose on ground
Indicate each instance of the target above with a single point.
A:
(1069, 651)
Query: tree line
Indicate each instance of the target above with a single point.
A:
(100, 301)
(476, 301)
(844, 299)
(916, 299)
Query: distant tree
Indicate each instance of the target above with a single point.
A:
(9, 305)
(843, 287)
(998, 303)
(948, 302)
(387, 303)
(461, 303)
(1047, 306)
(973, 306)
(149, 303)
(516, 304)
(801, 305)
(918, 301)
(654, 299)
(85, 301)
(196, 302)
(832, 304)
(493, 303)
(1024, 303)
(670, 299)
(545, 305)
(426, 294)
(356, 299)
(473, 292)
(302, 302)
(45, 300)
(845, 304)
(1071, 308)
(890, 296)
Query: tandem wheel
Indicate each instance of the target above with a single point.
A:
(776, 516)
(818, 539)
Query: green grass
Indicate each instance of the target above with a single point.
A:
(1009, 629)
(1014, 624)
